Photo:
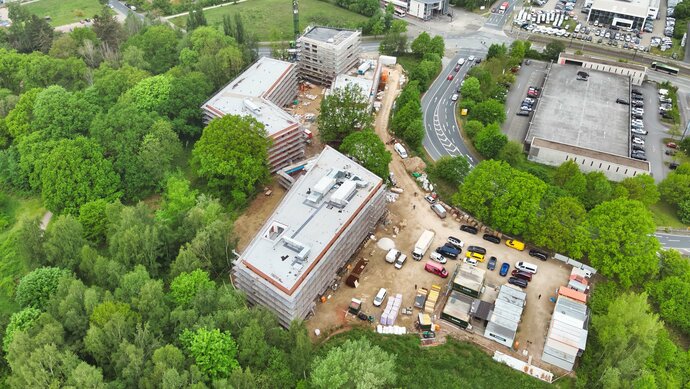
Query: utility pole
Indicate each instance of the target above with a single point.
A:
(295, 17)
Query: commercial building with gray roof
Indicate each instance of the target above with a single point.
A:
(504, 320)
(320, 223)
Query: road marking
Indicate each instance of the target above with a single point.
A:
(674, 240)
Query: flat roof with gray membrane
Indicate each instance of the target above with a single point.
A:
(583, 113)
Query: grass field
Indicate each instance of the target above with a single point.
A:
(451, 365)
(12, 265)
(665, 215)
(64, 12)
(272, 19)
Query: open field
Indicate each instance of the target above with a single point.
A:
(272, 19)
(64, 12)
(12, 264)
(665, 215)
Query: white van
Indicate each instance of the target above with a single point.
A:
(439, 210)
(461, 61)
(400, 150)
(380, 296)
(526, 266)
(400, 261)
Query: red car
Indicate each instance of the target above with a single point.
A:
(671, 145)
(533, 92)
(457, 67)
(450, 77)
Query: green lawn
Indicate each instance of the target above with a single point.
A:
(64, 12)
(454, 364)
(665, 215)
(271, 20)
(12, 265)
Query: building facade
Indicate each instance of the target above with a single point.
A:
(327, 52)
(625, 14)
(261, 91)
(421, 9)
(323, 219)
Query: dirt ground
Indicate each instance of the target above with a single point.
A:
(309, 103)
(249, 223)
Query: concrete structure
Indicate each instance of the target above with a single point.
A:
(581, 121)
(625, 14)
(322, 220)
(637, 73)
(457, 309)
(503, 321)
(366, 78)
(567, 336)
(469, 280)
(261, 91)
(327, 52)
(422, 9)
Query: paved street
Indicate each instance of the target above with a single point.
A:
(678, 242)
(515, 127)
(498, 20)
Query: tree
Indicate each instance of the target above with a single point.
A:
(34, 289)
(62, 114)
(19, 321)
(414, 134)
(136, 239)
(453, 170)
(107, 28)
(405, 116)
(561, 228)
(489, 111)
(484, 183)
(421, 44)
(395, 40)
(569, 177)
(512, 153)
(553, 50)
(625, 337)
(187, 94)
(518, 49)
(490, 140)
(671, 295)
(214, 352)
(93, 219)
(471, 89)
(497, 51)
(472, 128)
(178, 198)
(64, 240)
(515, 207)
(409, 93)
(675, 188)
(354, 364)
(368, 149)
(158, 151)
(75, 173)
(622, 242)
(150, 94)
(437, 46)
(19, 119)
(109, 83)
(641, 188)
(110, 324)
(186, 286)
(342, 112)
(195, 17)
(232, 154)
(684, 211)
(598, 190)
(160, 45)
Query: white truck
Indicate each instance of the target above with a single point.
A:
(395, 255)
(423, 244)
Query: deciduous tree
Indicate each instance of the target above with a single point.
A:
(489, 111)
(453, 170)
(214, 352)
(34, 289)
(62, 114)
(490, 140)
(342, 112)
(369, 150)
(641, 188)
(471, 90)
(159, 42)
(561, 228)
(64, 240)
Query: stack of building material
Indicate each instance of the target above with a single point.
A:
(391, 311)
(431, 300)
(392, 330)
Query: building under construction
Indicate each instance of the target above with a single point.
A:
(261, 91)
(327, 52)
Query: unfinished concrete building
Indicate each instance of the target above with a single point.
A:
(261, 91)
(322, 220)
(327, 52)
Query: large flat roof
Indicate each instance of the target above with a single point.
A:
(334, 36)
(600, 155)
(245, 95)
(470, 277)
(458, 306)
(313, 214)
(583, 113)
(637, 8)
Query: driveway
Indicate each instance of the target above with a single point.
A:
(654, 142)
(515, 127)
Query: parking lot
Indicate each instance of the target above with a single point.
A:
(556, 18)
(532, 74)
(408, 217)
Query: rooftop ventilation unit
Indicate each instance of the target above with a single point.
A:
(252, 107)
(342, 195)
(301, 249)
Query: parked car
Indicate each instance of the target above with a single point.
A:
(671, 145)
(622, 101)
(504, 269)
(670, 152)
(430, 199)
(522, 113)
(516, 244)
(518, 282)
(457, 243)
(639, 131)
(434, 256)
(469, 229)
(538, 254)
(492, 238)
(476, 249)
(491, 265)
(448, 251)
(471, 58)
(522, 274)
(471, 261)
(380, 296)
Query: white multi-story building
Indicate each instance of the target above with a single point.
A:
(327, 52)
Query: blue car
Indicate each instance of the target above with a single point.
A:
(504, 269)
(492, 263)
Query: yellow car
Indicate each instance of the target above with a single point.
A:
(516, 244)
(477, 256)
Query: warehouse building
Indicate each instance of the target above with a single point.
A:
(624, 14)
(327, 52)
(567, 336)
(458, 308)
(261, 91)
(469, 280)
(580, 121)
(322, 220)
(504, 320)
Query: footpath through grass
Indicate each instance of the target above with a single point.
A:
(271, 20)
(63, 12)
(454, 364)
(12, 264)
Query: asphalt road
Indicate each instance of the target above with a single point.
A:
(442, 132)
(120, 8)
(678, 242)
(497, 20)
